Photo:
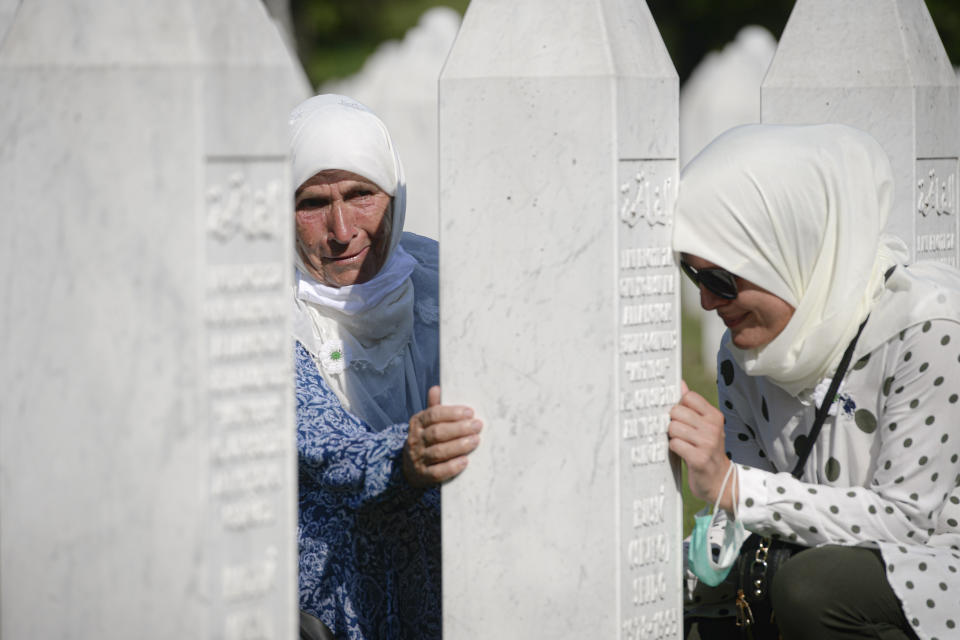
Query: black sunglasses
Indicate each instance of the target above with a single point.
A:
(719, 282)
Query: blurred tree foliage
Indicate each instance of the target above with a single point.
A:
(692, 28)
(334, 37)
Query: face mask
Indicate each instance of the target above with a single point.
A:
(699, 559)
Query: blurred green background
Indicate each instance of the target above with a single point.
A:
(334, 37)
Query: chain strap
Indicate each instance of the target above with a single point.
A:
(744, 613)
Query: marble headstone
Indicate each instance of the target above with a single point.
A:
(879, 65)
(147, 454)
(560, 321)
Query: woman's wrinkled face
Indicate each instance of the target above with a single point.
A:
(342, 230)
(755, 317)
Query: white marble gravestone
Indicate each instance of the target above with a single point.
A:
(147, 455)
(560, 309)
(7, 10)
(879, 65)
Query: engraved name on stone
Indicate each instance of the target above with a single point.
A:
(247, 514)
(648, 398)
(647, 341)
(247, 478)
(247, 344)
(243, 310)
(248, 371)
(649, 510)
(642, 370)
(248, 625)
(646, 554)
(245, 278)
(637, 258)
(233, 413)
(645, 426)
(936, 242)
(646, 287)
(248, 377)
(248, 445)
(657, 312)
(648, 432)
(250, 580)
(661, 624)
(645, 550)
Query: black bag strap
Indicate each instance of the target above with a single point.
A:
(828, 400)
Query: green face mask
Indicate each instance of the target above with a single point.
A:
(699, 558)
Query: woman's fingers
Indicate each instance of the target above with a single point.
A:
(693, 426)
(435, 454)
(441, 413)
(439, 439)
(435, 474)
(697, 436)
(699, 404)
(433, 396)
(444, 431)
(457, 438)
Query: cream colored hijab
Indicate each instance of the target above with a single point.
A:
(799, 211)
(361, 336)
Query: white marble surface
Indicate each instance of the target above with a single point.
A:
(723, 91)
(147, 461)
(879, 65)
(558, 165)
(7, 10)
(399, 82)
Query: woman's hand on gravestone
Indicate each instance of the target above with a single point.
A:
(696, 435)
(439, 440)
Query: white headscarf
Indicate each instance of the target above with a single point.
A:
(798, 211)
(378, 374)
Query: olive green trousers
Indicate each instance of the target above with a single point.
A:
(825, 593)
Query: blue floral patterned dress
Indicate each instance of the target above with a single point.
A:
(369, 543)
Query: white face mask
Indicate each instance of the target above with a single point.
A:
(699, 558)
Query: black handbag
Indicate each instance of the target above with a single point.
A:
(760, 557)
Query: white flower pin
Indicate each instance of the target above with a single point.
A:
(332, 357)
(841, 400)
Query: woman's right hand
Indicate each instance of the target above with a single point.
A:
(696, 435)
(438, 442)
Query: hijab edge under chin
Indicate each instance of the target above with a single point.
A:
(742, 179)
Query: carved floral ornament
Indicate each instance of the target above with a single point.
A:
(937, 194)
(641, 199)
(238, 208)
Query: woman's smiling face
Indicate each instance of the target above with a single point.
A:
(755, 317)
(342, 230)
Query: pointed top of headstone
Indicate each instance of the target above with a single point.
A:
(142, 33)
(555, 42)
(99, 33)
(878, 43)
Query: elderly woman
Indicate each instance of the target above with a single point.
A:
(374, 441)
(780, 227)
